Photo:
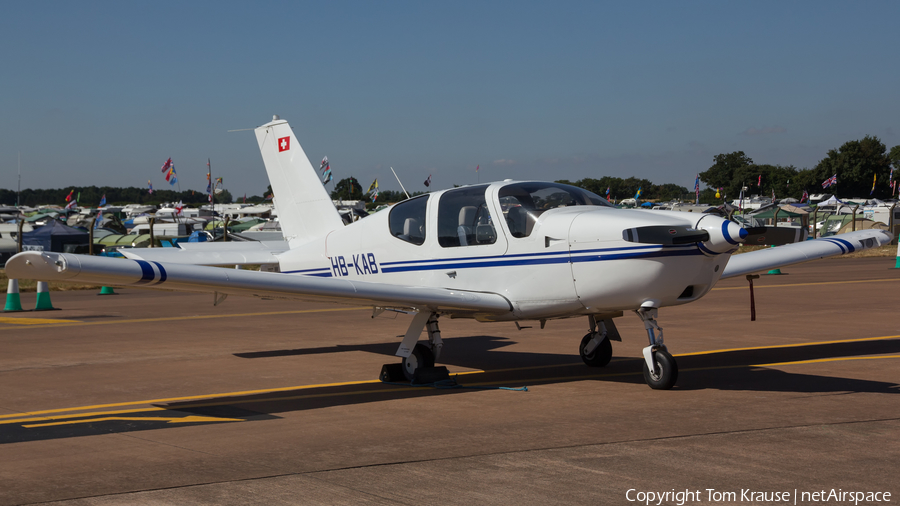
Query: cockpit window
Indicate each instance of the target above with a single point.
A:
(464, 218)
(522, 203)
(407, 220)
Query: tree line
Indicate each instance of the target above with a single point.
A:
(855, 163)
(89, 196)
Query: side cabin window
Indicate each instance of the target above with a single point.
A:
(464, 218)
(523, 203)
(407, 220)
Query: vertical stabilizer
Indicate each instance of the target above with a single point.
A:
(304, 207)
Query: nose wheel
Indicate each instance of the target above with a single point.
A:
(665, 372)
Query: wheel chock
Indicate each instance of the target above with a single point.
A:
(13, 301)
(429, 375)
(392, 373)
(107, 290)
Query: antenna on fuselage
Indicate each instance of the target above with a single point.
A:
(401, 184)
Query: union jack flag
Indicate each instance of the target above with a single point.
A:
(804, 197)
(830, 181)
(167, 165)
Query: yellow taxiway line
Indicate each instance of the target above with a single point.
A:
(50, 323)
(34, 321)
(794, 345)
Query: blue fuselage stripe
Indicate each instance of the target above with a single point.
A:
(576, 257)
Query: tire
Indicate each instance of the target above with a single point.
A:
(668, 372)
(600, 356)
(421, 356)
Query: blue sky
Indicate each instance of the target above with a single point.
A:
(101, 93)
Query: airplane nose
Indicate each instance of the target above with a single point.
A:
(724, 235)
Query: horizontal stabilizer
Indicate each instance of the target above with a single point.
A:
(773, 258)
(104, 271)
(212, 253)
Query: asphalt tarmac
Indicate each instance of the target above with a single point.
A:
(151, 397)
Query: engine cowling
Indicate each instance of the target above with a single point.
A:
(724, 236)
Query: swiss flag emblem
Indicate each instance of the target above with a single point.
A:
(284, 144)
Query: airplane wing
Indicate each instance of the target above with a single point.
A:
(212, 253)
(772, 258)
(68, 267)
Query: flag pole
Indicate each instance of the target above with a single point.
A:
(401, 184)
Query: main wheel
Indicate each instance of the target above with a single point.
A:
(421, 356)
(667, 373)
(600, 356)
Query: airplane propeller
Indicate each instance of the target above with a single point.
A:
(665, 235)
(774, 236)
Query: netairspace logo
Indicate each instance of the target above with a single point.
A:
(711, 495)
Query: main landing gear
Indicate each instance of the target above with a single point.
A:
(595, 348)
(660, 369)
(416, 356)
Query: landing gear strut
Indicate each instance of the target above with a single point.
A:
(660, 369)
(595, 348)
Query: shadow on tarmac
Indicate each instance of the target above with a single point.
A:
(730, 370)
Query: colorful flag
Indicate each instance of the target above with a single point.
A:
(98, 219)
(69, 196)
(327, 177)
(477, 167)
(607, 192)
(830, 181)
(893, 187)
(373, 190)
(804, 197)
(759, 182)
(638, 194)
(874, 177)
(71, 205)
(323, 164)
(218, 181)
(150, 185)
(428, 181)
(697, 189)
(166, 166)
(102, 201)
(179, 209)
(270, 196)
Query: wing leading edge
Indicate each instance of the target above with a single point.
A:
(772, 258)
(68, 267)
(212, 253)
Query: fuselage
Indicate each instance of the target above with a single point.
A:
(552, 250)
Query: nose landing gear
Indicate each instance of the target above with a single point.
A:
(660, 368)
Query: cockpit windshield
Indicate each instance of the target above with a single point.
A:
(522, 203)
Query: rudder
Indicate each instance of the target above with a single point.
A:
(304, 207)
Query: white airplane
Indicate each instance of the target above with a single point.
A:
(501, 252)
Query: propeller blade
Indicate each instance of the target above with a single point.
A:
(774, 236)
(665, 235)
